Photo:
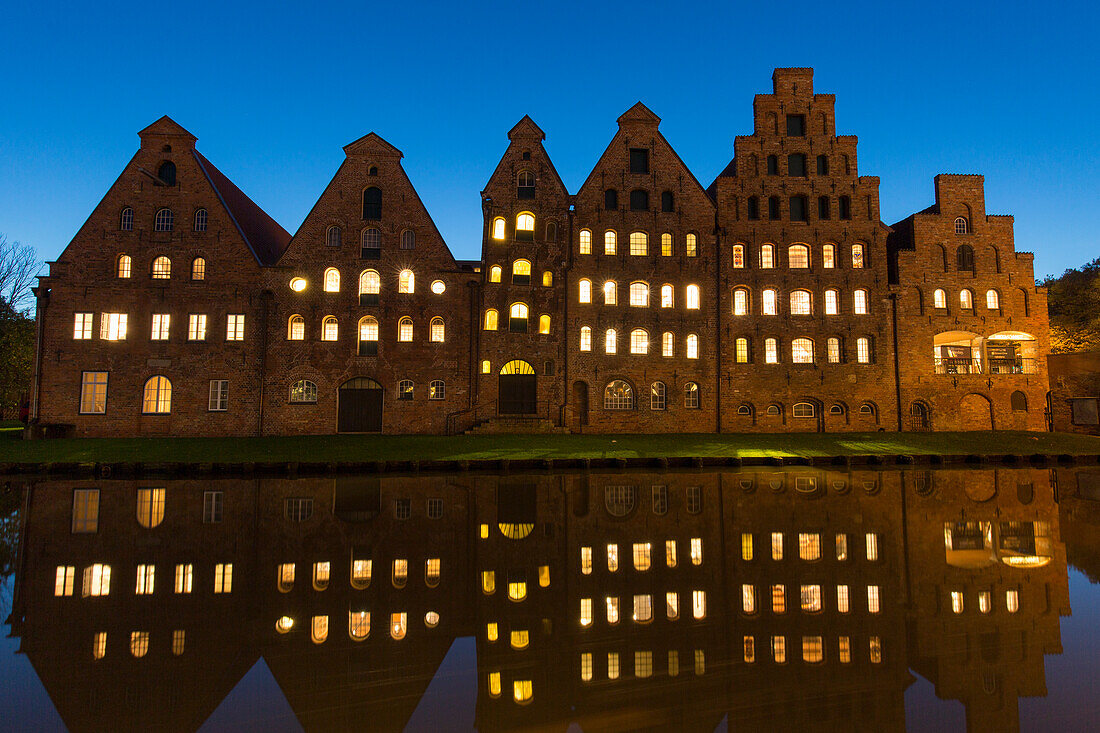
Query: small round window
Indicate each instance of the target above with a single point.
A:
(438, 287)
(298, 284)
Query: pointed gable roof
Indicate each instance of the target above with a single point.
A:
(166, 127)
(527, 131)
(526, 128)
(372, 145)
(639, 114)
(261, 233)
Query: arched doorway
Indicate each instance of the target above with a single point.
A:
(975, 413)
(516, 389)
(918, 416)
(359, 406)
(580, 403)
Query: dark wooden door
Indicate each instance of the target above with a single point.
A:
(518, 394)
(360, 411)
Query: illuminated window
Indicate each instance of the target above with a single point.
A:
(490, 320)
(613, 556)
(321, 571)
(223, 577)
(99, 645)
(332, 280)
(692, 299)
(802, 352)
(1012, 601)
(406, 282)
(696, 549)
(643, 664)
(691, 346)
(494, 684)
(749, 647)
(525, 227)
(863, 350)
(517, 318)
(157, 396)
(358, 625)
(639, 294)
(585, 242)
(494, 274)
(285, 577)
(842, 547)
(748, 598)
(639, 341)
(956, 601)
(517, 589)
(586, 666)
(547, 278)
(828, 256)
(643, 609)
(296, 328)
(875, 647)
(198, 269)
(844, 650)
(609, 242)
(318, 631)
(544, 324)
(966, 299)
(672, 605)
(97, 581)
(586, 612)
(771, 351)
(700, 662)
(809, 546)
(93, 393)
(609, 348)
(586, 560)
(872, 599)
(184, 577)
(179, 637)
(139, 643)
(738, 256)
(832, 348)
(612, 665)
(586, 338)
(610, 293)
(668, 344)
(112, 326)
(746, 546)
(666, 245)
(779, 599)
(612, 609)
(82, 325)
(303, 391)
(691, 248)
(768, 300)
(519, 639)
(641, 555)
(939, 298)
(488, 582)
(521, 272)
(398, 625)
(992, 300)
(777, 545)
(857, 256)
(813, 650)
(405, 329)
(740, 302)
(673, 663)
(63, 580)
(872, 546)
(842, 604)
(767, 256)
(985, 601)
(431, 572)
(798, 256)
(162, 268)
(330, 328)
(498, 228)
(810, 598)
(544, 576)
(779, 649)
(639, 243)
(800, 303)
(234, 327)
(437, 330)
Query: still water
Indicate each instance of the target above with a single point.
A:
(797, 599)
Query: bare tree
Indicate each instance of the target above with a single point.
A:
(19, 265)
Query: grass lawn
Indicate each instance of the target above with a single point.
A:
(324, 448)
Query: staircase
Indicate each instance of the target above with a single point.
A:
(511, 425)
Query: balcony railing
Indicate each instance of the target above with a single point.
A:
(949, 365)
(958, 365)
(1014, 366)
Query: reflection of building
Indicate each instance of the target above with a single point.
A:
(618, 600)
(774, 300)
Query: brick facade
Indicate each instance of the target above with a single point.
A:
(776, 300)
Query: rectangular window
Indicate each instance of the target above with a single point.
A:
(813, 649)
(643, 608)
(160, 327)
(748, 598)
(639, 245)
(699, 604)
(641, 556)
(435, 508)
(668, 344)
(666, 245)
(673, 663)
(875, 647)
(150, 507)
(872, 599)
(586, 612)
(234, 327)
(863, 351)
(810, 598)
(612, 557)
(872, 546)
(85, 511)
(212, 507)
(842, 598)
(809, 546)
(99, 645)
(1012, 601)
(798, 208)
(146, 575)
(402, 508)
(586, 667)
(196, 327)
(700, 662)
(695, 493)
(749, 645)
(779, 649)
(63, 580)
(178, 639)
(696, 550)
(844, 647)
(112, 326)
(97, 580)
(670, 553)
(779, 598)
(746, 546)
(672, 605)
(93, 393)
(771, 352)
(742, 351)
(219, 395)
(777, 545)
(586, 560)
(842, 547)
(643, 664)
(639, 160)
(223, 577)
(796, 125)
(82, 325)
(690, 247)
(833, 347)
(612, 609)
(612, 665)
(184, 575)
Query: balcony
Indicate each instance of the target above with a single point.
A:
(1020, 365)
(958, 365)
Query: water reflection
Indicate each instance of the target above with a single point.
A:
(785, 599)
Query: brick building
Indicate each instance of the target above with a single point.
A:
(774, 300)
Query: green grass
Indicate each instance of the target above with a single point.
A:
(324, 448)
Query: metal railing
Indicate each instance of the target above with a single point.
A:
(958, 365)
(463, 420)
(1020, 365)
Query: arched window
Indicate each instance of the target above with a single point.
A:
(521, 272)
(773, 208)
(437, 389)
(498, 228)
(586, 338)
(551, 231)
(157, 396)
(801, 303)
(200, 220)
(618, 395)
(126, 220)
(667, 202)
(774, 411)
(358, 625)
(802, 351)
(639, 341)
(544, 324)
(992, 300)
(609, 242)
(823, 212)
(767, 256)
(1018, 401)
(167, 173)
(962, 226)
(863, 350)
(752, 208)
(406, 282)
(773, 165)
(828, 256)
(691, 345)
(832, 302)
(525, 185)
(333, 237)
(368, 336)
(162, 268)
(867, 409)
(610, 293)
(768, 302)
(832, 348)
(332, 280)
(303, 391)
(939, 298)
(666, 296)
(744, 410)
(639, 294)
(494, 274)
(964, 257)
(371, 247)
(405, 389)
(741, 350)
(525, 227)
(198, 269)
(124, 266)
(370, 285)
(691, 302)
(658, 396)
(372, 203)
(740, 302)
(798, 256)
(845, 205)
(803, 409)
(610, 199)
(296, 328)
(517, 318)
(490, 320)
(738, 256)
(405, 329)
(163, 221)
(584, 291)
(398, 625)
(857, 256)
(691, 396)
(771, 351)
(408, 239)
(859, 301)
(837, 409)
(609, 341)
(547, 279)
(691, 248)
(668, 344)
(639, 243)
(330, 328)
(966, 299)
(436, 330)
(639, 200)
(585, 247)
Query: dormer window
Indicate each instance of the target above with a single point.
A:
(167, 173)
(525, 185)
(639, 160)
(796, 125)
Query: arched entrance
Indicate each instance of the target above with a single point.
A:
(580, 404)
(918, 416)
(975, 413)
(516, 389)
(359, 406)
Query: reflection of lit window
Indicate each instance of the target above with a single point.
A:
(779, 649)
(670, 553)
(809, 546)
(956, 601)
(696, 550)
(544, 576)
(494, 684)
(99, 645)
(398, 625)
(522, 690)
(700, 662)
(779, 599)
(519, 639)
(358, 625)
(139, 643)
(672, 605)
(748, 598)
(872, 546)
(641, 556)
(360, 573)
(586, 612)
(812, 649)
(612, 665)
(150, 507)
(844, 649)
(746, 546)
(699, 604)
(643, 608)
(872, 599)
(985, 604)
(612, 610)
(319, 629)
(184, 576)
(811, 598)
(749, 644)
(63, 581)
(179, 637)
(673, 663)
(1012, 601)
(321, 575)
(146, 575)
(842, 547)
(777, 545)
(586, 560)
(612, 557)
(284, 624)
(875, 644)
(842, 598)
(643, 664)
(400, 573)
(517, 590)
(586, 667)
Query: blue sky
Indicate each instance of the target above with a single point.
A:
(1008, 90)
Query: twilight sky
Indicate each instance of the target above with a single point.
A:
(1005, 89)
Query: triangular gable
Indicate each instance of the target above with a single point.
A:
(372, 144)
(167, 127)
(526, 131)
(640, 114)
(526, 128)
